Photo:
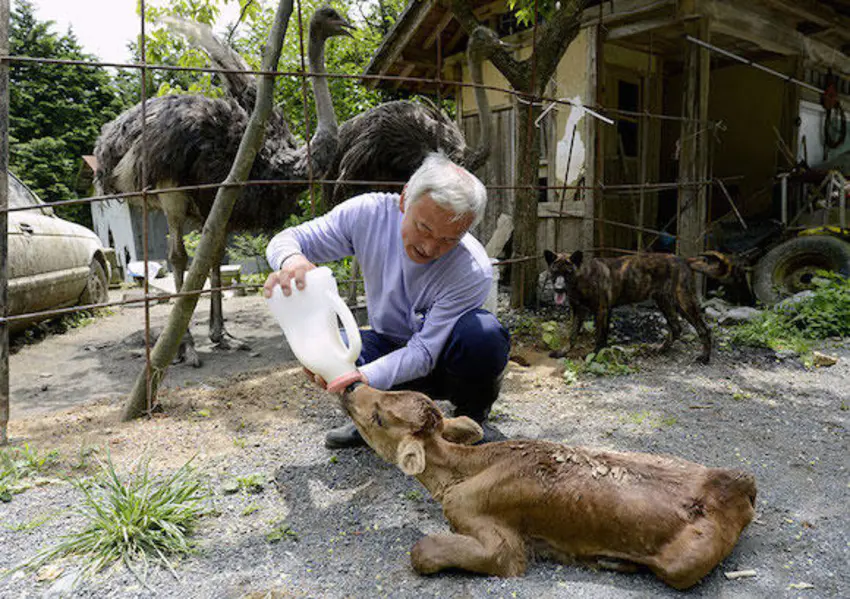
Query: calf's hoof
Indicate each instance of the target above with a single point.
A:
(424, 556)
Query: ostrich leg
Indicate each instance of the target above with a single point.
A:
(218, 334)
(175, 206)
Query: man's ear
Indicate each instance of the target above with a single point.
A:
(577, 258)
(550, 256)
(402, 198)
(410, 456)
(462, 430)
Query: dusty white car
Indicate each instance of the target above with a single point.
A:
(53, 263)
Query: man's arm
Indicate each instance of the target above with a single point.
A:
(293, 251)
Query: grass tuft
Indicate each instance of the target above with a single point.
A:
(136, 519)
(20, 464)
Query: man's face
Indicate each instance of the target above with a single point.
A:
(428, 230)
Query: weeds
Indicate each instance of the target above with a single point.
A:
(139, 518)
(795, 325)
(281, 530)
(609, 361)
(19, 465)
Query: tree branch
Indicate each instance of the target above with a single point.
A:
(554, 37)
(513, 70)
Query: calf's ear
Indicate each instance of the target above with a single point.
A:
(462, 430)
(410, 456)
(550, 256)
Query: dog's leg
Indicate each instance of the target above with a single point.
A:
(579, 315)
(689, 308)
(496, 552)
(603, 315)
(665, 304)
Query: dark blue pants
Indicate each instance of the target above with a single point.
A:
(468, 371)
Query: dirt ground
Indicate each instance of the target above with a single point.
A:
(353, 518)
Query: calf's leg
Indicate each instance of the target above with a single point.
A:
(496, 552)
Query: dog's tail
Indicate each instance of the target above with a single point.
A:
(713, 264)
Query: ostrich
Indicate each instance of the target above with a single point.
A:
(192, 140)
(387, 142)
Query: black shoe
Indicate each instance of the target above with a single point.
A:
(491, 434)
(344, 437)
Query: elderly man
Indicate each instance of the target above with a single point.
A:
(426, 278)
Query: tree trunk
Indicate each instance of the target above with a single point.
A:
(524, 274)
(213, 235)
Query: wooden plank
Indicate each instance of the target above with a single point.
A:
(405, 72)
(593, 170)
(432, 37)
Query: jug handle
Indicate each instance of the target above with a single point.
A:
(349, 324)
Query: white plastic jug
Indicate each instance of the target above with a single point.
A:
(308, 318)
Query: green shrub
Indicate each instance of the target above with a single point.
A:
(793, 326)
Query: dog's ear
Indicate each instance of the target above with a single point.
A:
(410, 456)
(462, 430)
(550, 256)
(576, 258)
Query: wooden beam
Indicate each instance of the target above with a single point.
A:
(623, 10)
(693, 143)
(811, 10)
(756, 26)
(405, 72)
(404, 37)
(641, 27)
(438, 30)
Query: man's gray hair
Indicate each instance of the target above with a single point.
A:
(451, 186)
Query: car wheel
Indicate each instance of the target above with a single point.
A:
(789, 267)
(97, 287)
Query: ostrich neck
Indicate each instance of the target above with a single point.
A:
(482, 151)
(324, 104)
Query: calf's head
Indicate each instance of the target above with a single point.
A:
(563, 269)
(399, 425)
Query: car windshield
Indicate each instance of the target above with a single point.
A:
(20, 196)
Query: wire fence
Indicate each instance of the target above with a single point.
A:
(610, 115)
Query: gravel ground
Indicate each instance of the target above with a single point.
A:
(354, 518)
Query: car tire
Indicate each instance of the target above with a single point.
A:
(97, 287)
(788, 268)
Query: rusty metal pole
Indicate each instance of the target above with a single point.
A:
(4, 222)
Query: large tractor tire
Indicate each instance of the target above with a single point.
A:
(790, 267)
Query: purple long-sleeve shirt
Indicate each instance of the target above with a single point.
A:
(414, 304)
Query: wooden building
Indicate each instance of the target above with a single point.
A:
(684, 114)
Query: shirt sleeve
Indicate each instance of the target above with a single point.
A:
(329, 237)
(419, 356)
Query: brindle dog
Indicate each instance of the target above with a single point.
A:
(596, 285)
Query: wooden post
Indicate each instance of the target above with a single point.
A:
(693, 152)
(592, 151)
(4, 222)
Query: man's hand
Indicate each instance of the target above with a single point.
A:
(294, 267)
(337, 385)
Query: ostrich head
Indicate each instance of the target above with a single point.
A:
(327, 22)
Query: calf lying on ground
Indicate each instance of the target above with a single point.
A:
(678, 518)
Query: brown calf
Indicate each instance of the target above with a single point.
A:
(678, 518)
